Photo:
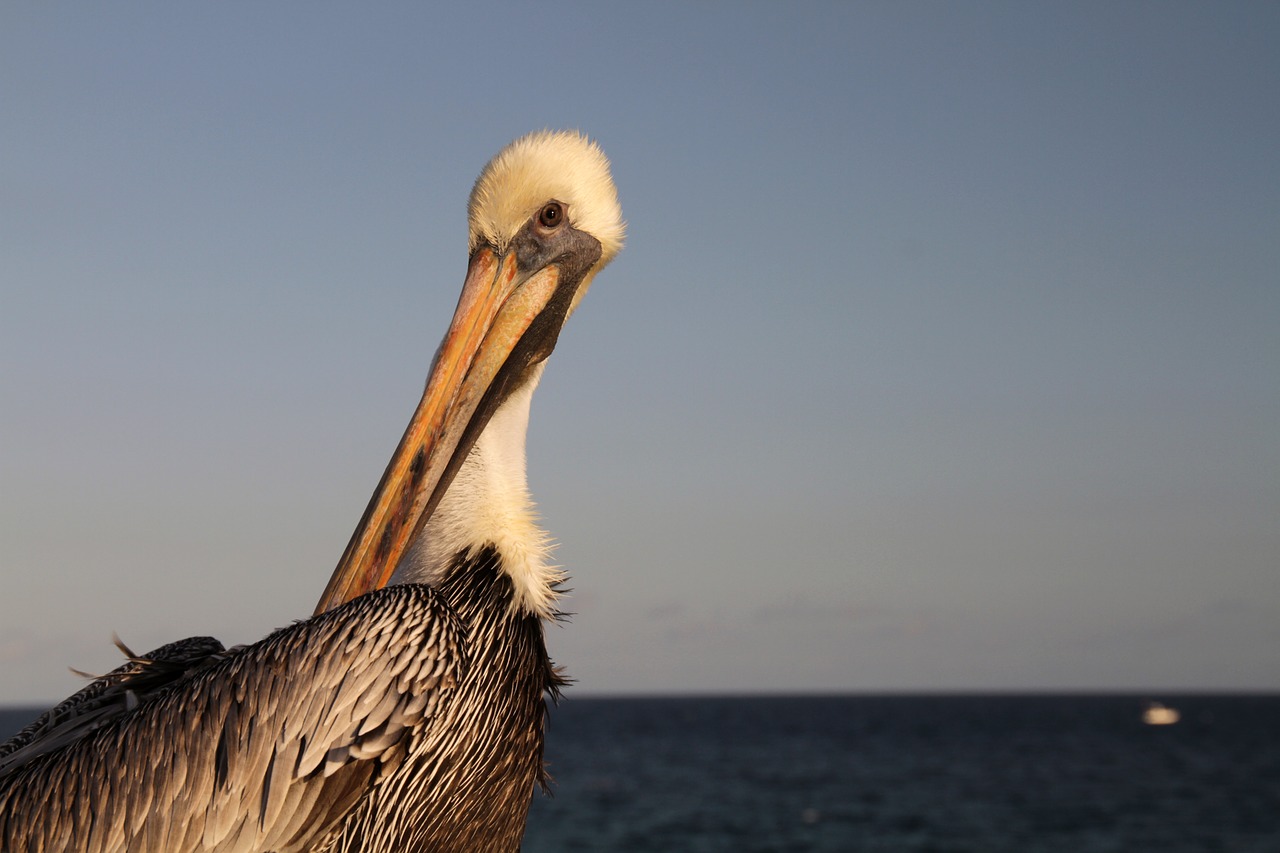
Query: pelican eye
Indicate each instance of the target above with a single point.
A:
(551, 215)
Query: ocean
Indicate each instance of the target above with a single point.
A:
(1076, 773)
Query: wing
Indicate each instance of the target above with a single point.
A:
(266, 747)
(108, 698)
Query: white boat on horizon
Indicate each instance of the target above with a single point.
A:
(1157, 714)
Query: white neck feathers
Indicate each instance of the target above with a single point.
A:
(488, 505)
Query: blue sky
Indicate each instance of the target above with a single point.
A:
(943, 354)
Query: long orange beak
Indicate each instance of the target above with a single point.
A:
(469, 378)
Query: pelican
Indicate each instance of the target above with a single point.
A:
(407, 713)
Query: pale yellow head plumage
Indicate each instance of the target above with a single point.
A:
(563, 166)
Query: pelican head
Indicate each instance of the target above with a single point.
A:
(543, 220)
(539, 168)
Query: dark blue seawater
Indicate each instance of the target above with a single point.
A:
(920, 773)
(917, 773)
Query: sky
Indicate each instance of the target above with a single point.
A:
(944, 353)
